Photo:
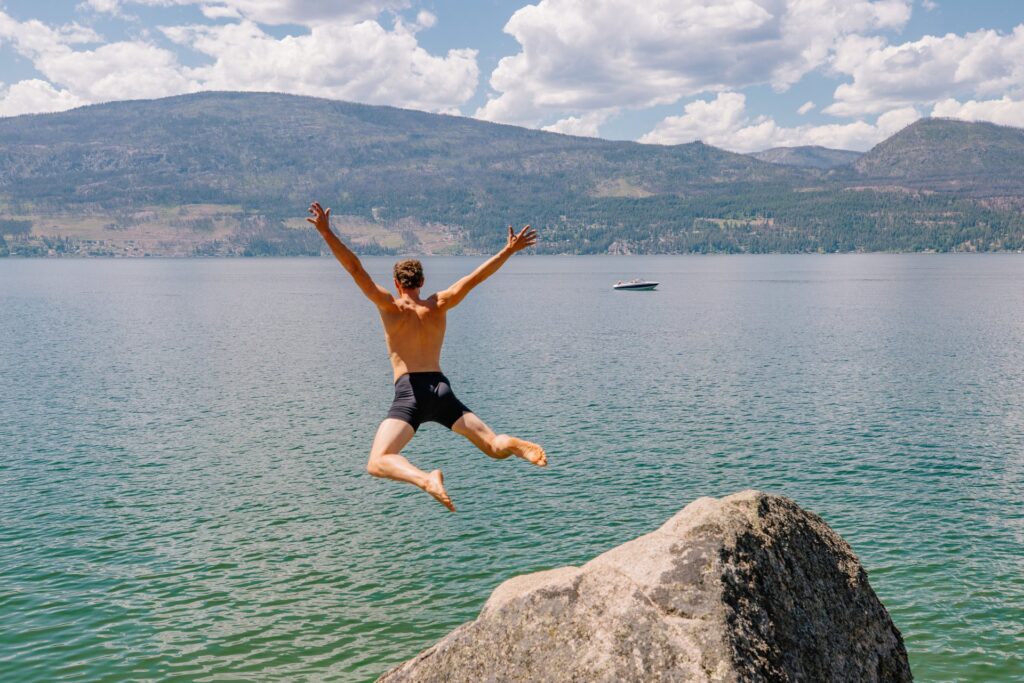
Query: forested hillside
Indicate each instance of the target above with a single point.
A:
(232, 173)
(974, 159)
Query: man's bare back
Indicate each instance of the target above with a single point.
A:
(414, 333)
(414, 330)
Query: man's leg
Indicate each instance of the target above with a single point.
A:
(386, 461)
(498, 446)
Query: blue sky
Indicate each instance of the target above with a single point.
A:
(739, 74)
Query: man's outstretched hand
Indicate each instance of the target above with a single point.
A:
(321, 219)
(527, 237)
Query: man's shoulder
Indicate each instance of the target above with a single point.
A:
(389, 305)
(427, 302)
(399, 306)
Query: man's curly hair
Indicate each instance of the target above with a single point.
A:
(409, 274)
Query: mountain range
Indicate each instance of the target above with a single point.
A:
(232, 173)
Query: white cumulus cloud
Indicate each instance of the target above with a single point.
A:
(341, 59)
(111, 6)
(983, 63)
(34, 96)
(302, 12)
(588, 125)
(363, 62)
(220, 12)
(724, 122)
(1004, 111)
(579, 56)
(112, 71)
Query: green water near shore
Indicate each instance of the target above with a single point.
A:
(182, 483)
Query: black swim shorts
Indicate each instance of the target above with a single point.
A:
(426, 397)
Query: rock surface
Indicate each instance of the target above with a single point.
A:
(745, 588)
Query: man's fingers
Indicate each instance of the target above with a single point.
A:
(525, 237)
(318, 213)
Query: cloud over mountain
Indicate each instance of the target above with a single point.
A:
(363, 62)
(744, 74)
(338, 58)
(579, 56)
(724, 122)
(80, 75)
(981, 63)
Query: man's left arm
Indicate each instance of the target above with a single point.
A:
(454, 295)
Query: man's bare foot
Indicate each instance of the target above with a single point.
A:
(527, 450)
(435, 487)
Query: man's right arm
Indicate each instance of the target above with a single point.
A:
(322, 221)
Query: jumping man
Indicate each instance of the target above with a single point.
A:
(414, 332)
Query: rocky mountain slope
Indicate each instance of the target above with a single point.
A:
(975, 159)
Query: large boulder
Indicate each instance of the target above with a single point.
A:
(746, 588)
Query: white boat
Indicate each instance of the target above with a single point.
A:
(636, 285)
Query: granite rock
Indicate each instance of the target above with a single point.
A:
(749, 587)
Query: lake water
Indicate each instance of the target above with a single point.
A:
(182, 484)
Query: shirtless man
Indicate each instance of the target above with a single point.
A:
(414, 332)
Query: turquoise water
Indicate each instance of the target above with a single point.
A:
(183, 444)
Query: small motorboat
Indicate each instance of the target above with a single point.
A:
(635, 285)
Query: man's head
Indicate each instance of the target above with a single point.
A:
(409, 274)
